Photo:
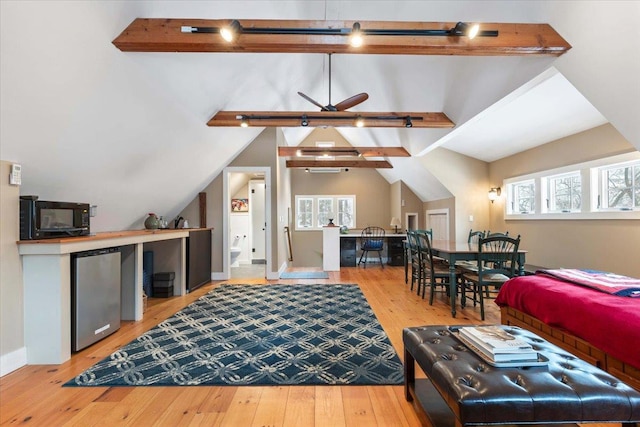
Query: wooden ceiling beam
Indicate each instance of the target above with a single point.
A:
(371, 164)
(330, 118)
(166, 35)
(337, 151)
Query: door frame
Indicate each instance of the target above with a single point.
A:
(407, 217)
(226, 212)
(251, 218)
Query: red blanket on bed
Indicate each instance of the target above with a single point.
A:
(609, 322)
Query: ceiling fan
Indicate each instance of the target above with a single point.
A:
(340, 106)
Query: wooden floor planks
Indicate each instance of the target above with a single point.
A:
(34, 395)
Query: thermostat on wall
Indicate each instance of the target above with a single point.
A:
(15, 177)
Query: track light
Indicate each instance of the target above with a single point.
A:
(359, 122)
(230, 32)
(329, 118)
(355, 34)
(355, 38)
(407, 122)
(464, 29)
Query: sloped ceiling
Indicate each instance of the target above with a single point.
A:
(126, 131)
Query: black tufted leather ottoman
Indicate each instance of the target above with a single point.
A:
(568, 390)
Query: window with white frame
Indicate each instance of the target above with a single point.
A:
(325, 211)
(522, 197)
(606, 188)
(619, 187)
(314, 212)
(564, 192)
(304, 212)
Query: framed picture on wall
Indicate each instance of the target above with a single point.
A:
(239, 205)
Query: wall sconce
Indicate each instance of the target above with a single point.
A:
(494, 193)
(395, 222)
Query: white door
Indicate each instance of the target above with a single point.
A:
(439, 223)
(258, 221)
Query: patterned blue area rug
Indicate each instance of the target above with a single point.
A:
(258, 335)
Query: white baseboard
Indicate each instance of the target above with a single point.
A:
(219, 275)
(11, 361)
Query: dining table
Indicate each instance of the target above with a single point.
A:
(452, 251)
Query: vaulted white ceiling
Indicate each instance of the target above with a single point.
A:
(127, 131)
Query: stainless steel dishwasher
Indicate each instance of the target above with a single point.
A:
(95, 296)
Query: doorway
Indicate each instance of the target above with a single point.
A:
(411, 220)
(246, 214)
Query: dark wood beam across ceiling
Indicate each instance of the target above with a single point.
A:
(337, 151)
(371, 164)
(166, 35)
(330, 118)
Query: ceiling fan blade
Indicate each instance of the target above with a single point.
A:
(351, 102)
(313, 101)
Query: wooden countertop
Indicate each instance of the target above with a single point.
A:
(109, 235)
(66, 245)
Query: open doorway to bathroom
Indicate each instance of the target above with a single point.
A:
(247, 237)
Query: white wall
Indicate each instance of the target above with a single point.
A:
(604, 63)
(12, 351)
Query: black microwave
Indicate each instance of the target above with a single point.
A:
(40, 219)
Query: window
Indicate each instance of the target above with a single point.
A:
(606, 188)
(314, 212)
(346, 211)
(523, 197)
(325, 211)
(564, 193)
(620, 187)
(304, 209)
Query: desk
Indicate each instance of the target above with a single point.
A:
(455, 251)
(350, 246)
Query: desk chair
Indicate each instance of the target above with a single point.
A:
(497, 257)
(372, 239)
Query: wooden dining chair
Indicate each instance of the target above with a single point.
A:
(472, 239)
(371, 240)
(497, 258)
(433, 274)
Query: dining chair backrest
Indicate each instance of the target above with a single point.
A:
(372, 238)
(424, 245)
(427, 232)
(497, 233)
(474, 236)
(497, 255)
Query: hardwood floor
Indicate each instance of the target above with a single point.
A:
(33, 395)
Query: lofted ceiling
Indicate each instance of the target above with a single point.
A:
(128, 130)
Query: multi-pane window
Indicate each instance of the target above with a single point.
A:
(314, 212)
(346, 211)
(325, 211)
(304, 212)
(523, 197)
(564, 193)
(607, 188)
(620, 187)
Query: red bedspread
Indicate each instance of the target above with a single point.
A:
(609, 322)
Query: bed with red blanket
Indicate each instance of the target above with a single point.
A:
(592, 320)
